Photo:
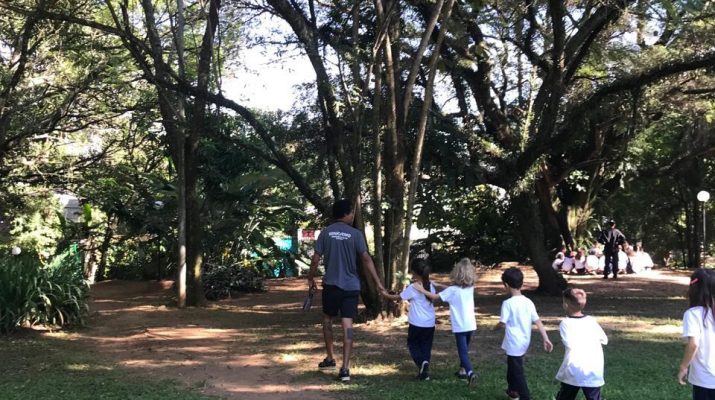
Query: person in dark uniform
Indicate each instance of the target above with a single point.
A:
(611, 238)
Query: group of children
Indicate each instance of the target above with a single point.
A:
(631, 259)
(582, 367)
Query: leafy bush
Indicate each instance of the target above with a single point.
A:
(221, 280)
(33, 293)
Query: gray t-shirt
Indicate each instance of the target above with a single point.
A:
(340, 244)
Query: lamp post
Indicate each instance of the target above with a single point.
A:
(703, 197)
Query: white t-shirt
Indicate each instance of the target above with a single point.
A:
(592, 262)
(421, 308)
(579, 263)
(568, 264)
(702, 368)
(622, 260)
(556, 265)
(583, 361)
(461, 308)
(518, 313)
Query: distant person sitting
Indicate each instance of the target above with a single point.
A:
(568, 263)
(622, 260)
(558, 261)
(579, 262)
(592, 261)
(611, 238)
(640, 260)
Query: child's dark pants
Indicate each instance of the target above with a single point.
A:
(419, 341)
(569, 392)
(515, 377)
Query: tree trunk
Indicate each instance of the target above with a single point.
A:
(104, 249)
(525, 207)
(368, 289)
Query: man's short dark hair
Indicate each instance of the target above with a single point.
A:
(513, 277)
(342, 208)
(611, 223)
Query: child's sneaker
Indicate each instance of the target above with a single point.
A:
(512, 395)
(472, 380)
(344, 375)
(327, 364)
(424, 371)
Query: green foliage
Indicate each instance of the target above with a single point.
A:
(31, 292)
(36, 226)
(221, 280)
(473, 223)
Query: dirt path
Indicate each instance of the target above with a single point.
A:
(238, 349)
(261, 346)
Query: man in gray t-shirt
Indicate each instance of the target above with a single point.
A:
(339, 245)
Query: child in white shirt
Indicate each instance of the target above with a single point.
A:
(517, 315)
(699, 327)
(582, 368)
(460, 296)
(568, 263)
(421, 316)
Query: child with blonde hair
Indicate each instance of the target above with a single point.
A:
(698, 362)
(583, 337)
(460, 296)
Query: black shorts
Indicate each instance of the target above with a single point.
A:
(338, 301)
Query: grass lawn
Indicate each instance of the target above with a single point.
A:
(635, 369)
(263, 346)
(42, 368)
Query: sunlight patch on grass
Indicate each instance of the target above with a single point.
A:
(86, 367)
(375, 369)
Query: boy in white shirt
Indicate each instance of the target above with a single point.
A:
(517, 315)
(582, 367)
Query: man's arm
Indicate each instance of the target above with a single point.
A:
(314, 263)
(367, 262)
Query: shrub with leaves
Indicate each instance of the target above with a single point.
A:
(221, 280)
(33, 293)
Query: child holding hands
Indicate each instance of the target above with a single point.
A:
(421, 317)
(582, 368)
(460, 296)
(699, 327)
(518, 313)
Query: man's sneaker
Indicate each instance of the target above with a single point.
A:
(512, 395)
(327, 364)
(424, 371)
(472, 380)
(344, 375)
(460, 375)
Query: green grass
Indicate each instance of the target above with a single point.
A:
(41, 368)
(638, 366)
